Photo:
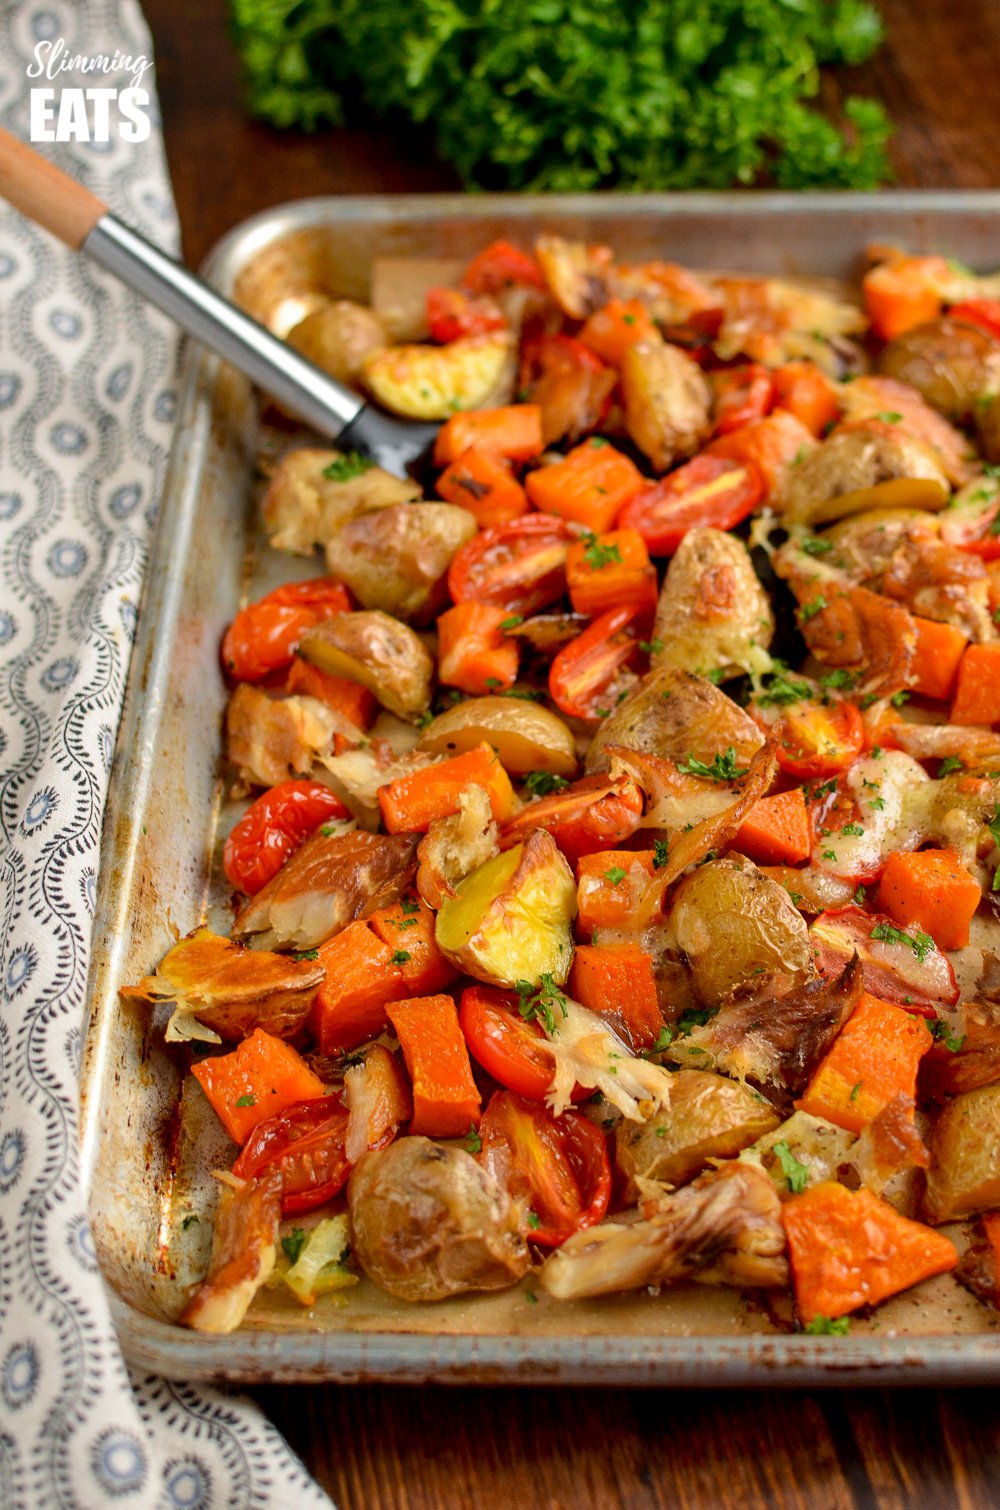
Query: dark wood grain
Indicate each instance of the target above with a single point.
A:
(423, 1449)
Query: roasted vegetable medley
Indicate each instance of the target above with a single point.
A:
(612, 817)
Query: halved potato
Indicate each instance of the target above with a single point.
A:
(863, 466)
(674, 714)
(525, 736)
(713, 615)
(577, 274)
(964, 1177)
(950, 363)
(432, 382)
(340, 338)
(396, 558)
(379, 652)
(511, 919)
(667, 402)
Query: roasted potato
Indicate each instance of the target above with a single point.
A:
(988, 427)
(713, 615)
(577, 274)
(734, 923)
(870, 398)
(820, 1146)
(709, 1117)
(396, 558)
(340, 338)
(432, 382)
(951, 364)
(964, 1177)
(511, 919)
(428, 1221)
(667, 402)
(305, 507)
(865, 466)
(674, 714)
(525, 736)
(378, 651)
(269, 739)
(866, 543)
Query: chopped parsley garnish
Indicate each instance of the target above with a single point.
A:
(351, 464)
(409, 906)
(513, 621)
(898, 699)
(781, 689)
(531, 1297)
(828, 1326)
(920, 943)
(246, 1100)
(664, 1039)
(541, 783)
(401, 957)
(534, 1220)
(473, 1142)
(889, 417)
(810, 610)
(598, 555)
(829, 854)
(840, 680)
(661, 853)
(306, 954)
(825, 789)
(716, 675)
(852, 830)
(426, 719)
(994, 828)
(694, 1017)
(722, 767)
(796, 1173)
(860, 892)
(878, 803)
(651, 647)
(614, 875)
(327, 830)
(854, 1091)
(292, 1244)
(541, 1001)
(813, 545)
(493, 682)
(942, 1032)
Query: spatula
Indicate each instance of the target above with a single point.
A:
(68, 210)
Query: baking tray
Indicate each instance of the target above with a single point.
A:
(147, 1138)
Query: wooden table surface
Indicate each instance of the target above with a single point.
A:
(424, 1449)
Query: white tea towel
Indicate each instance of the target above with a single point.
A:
(86, 404)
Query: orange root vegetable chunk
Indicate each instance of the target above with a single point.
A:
(610, 885)
(940, 648)
(610, 331)
(411, 803)
(610, 571)
(874, 1059)
(514, 431)
(849, 1248)
(590, 485)
(777, 830)
(349, 698)
(257, 1080)
(933, 889)
(903, 292)
(619, 985)
(445, 1098)
(806, 392)
(407, 928)
(483, 483)
(360, 979)
(977, 690)
(473, 652)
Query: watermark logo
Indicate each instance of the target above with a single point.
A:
(87, 113)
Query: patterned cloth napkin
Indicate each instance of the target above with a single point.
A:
(86, 403)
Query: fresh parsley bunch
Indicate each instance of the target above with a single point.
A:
(581, 94)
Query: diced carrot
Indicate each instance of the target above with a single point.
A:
(445, 1098)
(804, 390)
(619, 984)
(939, 650)
(849, 1249)
(514, 431)
(771, 444)
(991, 1229)
(257, 1080)
(777, 829)
(360, 978)
(609, 886)
(903, 292)
(340, 693)
(589, 485)
(473, 652)
(484, 483)
(411, 803)
(611, 330)
(977, 689)
(407, 927)
(610, 570)
(933, 889)
(874, 1059)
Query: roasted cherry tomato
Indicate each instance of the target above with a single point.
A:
(569, 383)
(519, 566)
(970, 524)
(501, 265)
(582, 675)
(513, 1051)
(899, 965)
(983, 312)
(740, 394)
(558, 1165)
(821, 734)
(707, 491)
(452, 314)
(273, 827)
(599, 812)
(306, 1141)
(262, 637)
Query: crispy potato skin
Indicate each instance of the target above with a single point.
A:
(525, 736)
(667, 402)
(427, 1221)
(713, 614)
(396, 558)
(304, 508)
(340, 338)
(432, 382)
(674, 714)
(855, 458)
(950, 364)
(964, 1176)
(379, 652)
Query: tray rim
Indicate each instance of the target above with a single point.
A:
(272, 1355)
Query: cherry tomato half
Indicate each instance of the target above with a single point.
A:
(595, 813)
(273, 827)
(970, 524)
(306, 1141)
(452, 314)
(263, 636)
(982, 312)
(520, 566)
(821, 733)
(501, 265)
(707, 491)
(559, 1165)
(740, 394)
(905, 966)
(582, 675)
(513, 1051)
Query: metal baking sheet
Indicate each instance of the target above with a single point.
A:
(147, 1138)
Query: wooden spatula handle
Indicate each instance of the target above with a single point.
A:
(45, 194)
